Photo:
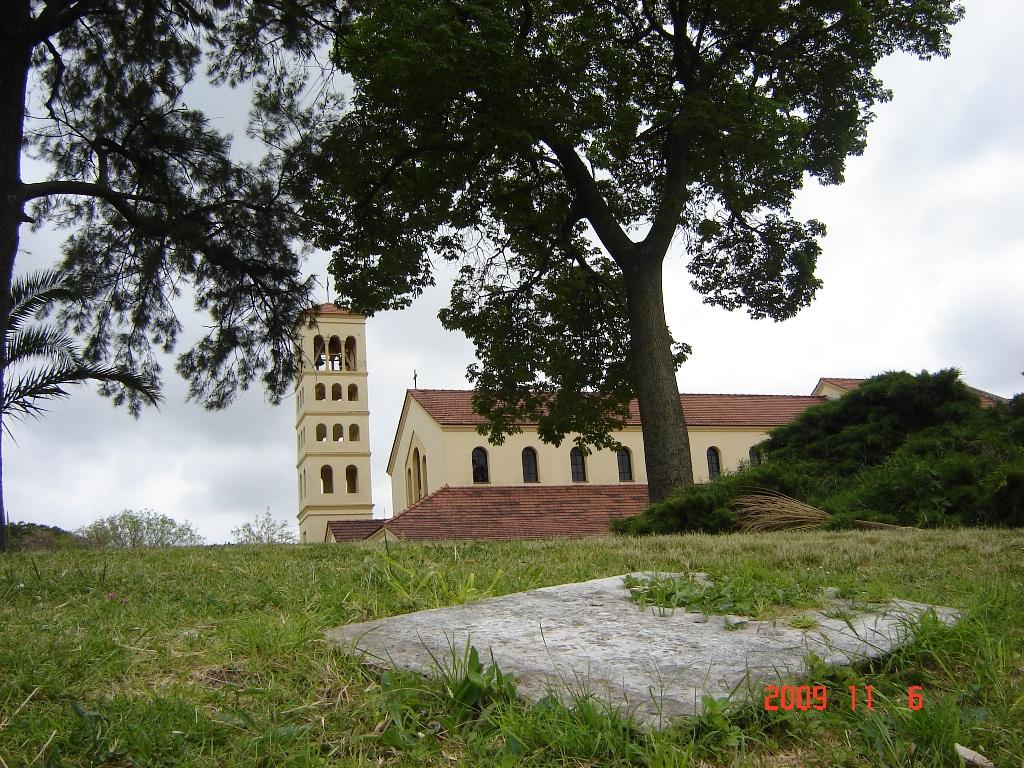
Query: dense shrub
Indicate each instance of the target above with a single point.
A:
(912, 450)
(31, 537)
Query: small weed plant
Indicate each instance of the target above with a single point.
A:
(752, 593)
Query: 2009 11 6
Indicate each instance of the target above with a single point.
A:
(807, 697)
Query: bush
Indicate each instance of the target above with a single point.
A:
(139, 529)
(264, 529)
(31, 537)
(911, 450)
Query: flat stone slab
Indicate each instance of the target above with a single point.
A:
(589, 637)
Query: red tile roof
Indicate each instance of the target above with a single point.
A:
(987, 398)
(455, 407)
(518, 512)
(329, 309)
(352, 530)
(844, 384)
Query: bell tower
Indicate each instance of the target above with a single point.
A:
(332, 422)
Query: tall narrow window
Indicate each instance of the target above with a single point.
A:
(338, 433)
(625, 466)
(326, 479)
(353, 433)
(408, 488)
(335, 391)
(319, 358)
(578, 465)
(418, 472)
(350, 354)
(480, 473)
(351, 479)
(714, 463)
(755, 457)
(530, 474)
(320, 392)
(334, 353)
(353, 392)
(321, 433)
(426, 488)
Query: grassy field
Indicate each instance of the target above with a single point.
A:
(215, 656)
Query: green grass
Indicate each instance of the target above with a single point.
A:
(758, 593)
(216, 657)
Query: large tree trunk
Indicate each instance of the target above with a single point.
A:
(15, 52)
(666, 442)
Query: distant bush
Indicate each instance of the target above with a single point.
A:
(911, 450)
(264, 529)
(139, 529)
(31, 537)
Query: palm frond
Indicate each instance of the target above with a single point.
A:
(43, 341)
(34, 291)
(21, 396)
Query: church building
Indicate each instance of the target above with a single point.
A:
(448, 482)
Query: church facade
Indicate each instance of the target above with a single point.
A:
(436, 445)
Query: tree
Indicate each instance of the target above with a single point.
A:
(507, 136)
(139, 529)
(31, 295)
(264, 529)
(153, 196)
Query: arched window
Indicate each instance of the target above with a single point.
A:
(321, 433)
(326, 479)
(578, 465)
(426, 488)
(320, 392)
(755, 457)
(338, 433)
(480, 473)
(714, 463)
(353, 392)
(530, 474)
(334, 353)
(408, 488)
(625, 466)
(350, 354)
(335, 391)
(351, 479)
(319, 358)
(353, 433)
(418, 472)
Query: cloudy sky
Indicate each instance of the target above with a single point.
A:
(922, 268)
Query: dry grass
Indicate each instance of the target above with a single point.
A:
(773, 511)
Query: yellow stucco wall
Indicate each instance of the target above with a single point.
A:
(416, 430)
(449, 451)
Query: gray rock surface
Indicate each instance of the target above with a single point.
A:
(588, 637)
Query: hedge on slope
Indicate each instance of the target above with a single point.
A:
(913, 450)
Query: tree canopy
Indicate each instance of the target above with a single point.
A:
(155, 201)
(555, 149)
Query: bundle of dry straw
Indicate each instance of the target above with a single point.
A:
(773, 511)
